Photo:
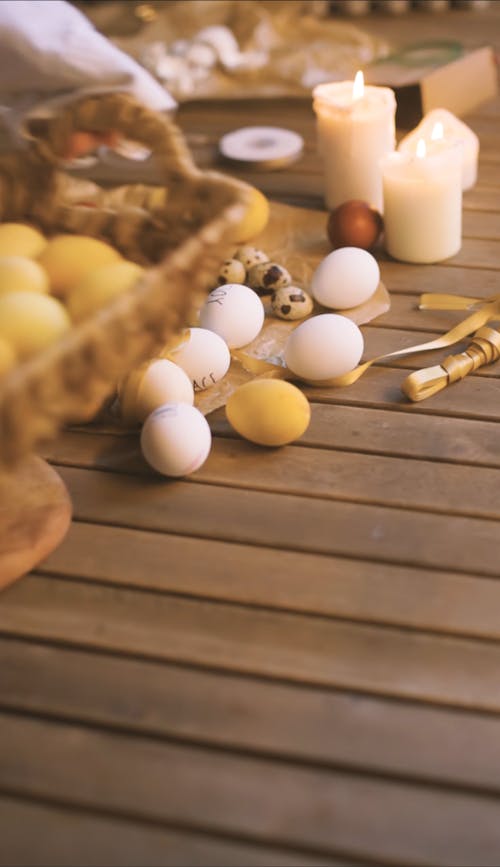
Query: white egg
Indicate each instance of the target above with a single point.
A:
(176, 439)
(324, 346)
(154, 383)
(204, 356)
(234, 312)
(345, 278)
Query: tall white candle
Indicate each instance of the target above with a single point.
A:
(423, 204)
(355, 129)
(440, 128)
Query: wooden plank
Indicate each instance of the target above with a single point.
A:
(324, 473)
(399, 434)
(307, 190)
(39, 834)
(476, 253)
(299, 648)
(324, 727)
(481, 199)
(405, 314)
(406, 537)
(482, 224)
(309, 165)
(415, 279)
(488, 175)
(317, 810)
(380, 341)
(446, 602)
(489, 151)
(474, 397)
(360, 429)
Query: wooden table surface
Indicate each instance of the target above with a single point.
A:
(290, 657)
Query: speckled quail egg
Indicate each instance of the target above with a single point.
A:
(231, 271)
(250, 256)
(268, 277)
(291, 302)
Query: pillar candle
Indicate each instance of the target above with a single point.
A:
(440, 128)
(355, 129)
(423, 204)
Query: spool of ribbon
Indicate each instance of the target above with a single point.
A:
(484, 348)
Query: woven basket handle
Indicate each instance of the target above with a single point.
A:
(121, 113)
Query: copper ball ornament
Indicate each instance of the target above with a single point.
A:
(354, 224)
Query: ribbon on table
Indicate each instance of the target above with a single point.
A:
(484, 349)
(483, 311)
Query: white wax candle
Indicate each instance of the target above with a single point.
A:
(354, 133)
(423, 204)
(440, 128)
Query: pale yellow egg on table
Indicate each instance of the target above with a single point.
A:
(100, 287)
(31, 321)
(19, 239)
(20, 274)
(255, 219)
(153, 383)
(7, 356)
(269, 412)
(69, 258)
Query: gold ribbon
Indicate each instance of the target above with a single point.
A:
(484, 310)
(484, 349)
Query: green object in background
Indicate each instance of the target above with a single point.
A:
(424, 54)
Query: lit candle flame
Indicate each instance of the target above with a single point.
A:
(437, 131)
(421, 149)
(358, 87)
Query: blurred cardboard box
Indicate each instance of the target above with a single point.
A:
(440, 74)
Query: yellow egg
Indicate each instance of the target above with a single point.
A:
(255, 219)
(30, 321)
(69, 258)
(269, 412)
(18, 239)
(20, 274)
(7, 356)
(101, 286)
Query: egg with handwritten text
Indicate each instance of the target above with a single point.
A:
(204, 356)
(234, 312)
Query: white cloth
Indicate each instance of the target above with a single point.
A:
(51, 53)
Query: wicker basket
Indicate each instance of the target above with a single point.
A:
(180, 231)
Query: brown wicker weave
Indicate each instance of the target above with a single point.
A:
(181, 231)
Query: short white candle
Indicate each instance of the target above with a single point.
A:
(355, 128)
(440, 128)
(423, 204)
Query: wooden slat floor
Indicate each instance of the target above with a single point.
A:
(291, 657)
